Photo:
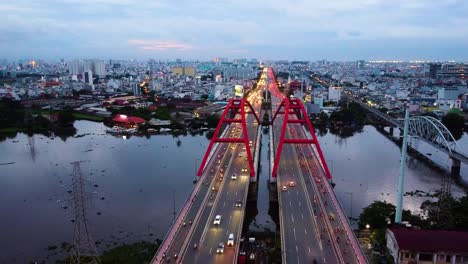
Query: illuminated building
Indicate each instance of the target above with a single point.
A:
(177, 71)
(189, 71)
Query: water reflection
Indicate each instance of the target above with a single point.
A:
(136, 176)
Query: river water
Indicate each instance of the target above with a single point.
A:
(132, 186)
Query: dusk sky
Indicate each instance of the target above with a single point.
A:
(273, 29)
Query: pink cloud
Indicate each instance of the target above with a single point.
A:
(160, 44)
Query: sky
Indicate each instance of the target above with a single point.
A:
(203, 29)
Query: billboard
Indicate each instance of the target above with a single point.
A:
(239, 90)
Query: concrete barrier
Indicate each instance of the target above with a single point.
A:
(168, 239)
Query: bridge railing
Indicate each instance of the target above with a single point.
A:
(343, 219)
(175, 227)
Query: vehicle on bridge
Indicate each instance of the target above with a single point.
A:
(238, 203)
(292, 184)
(331, 216)
(230, 241)
(284, 188)
(234, 176)
(217, 220)
(220, 249)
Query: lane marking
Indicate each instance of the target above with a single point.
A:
(305, 231)
(210, 250)
(292, 216)
(294, 230)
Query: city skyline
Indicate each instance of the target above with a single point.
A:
(303, 30)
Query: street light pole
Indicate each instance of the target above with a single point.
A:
(401, 178)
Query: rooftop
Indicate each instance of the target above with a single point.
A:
(431, 240)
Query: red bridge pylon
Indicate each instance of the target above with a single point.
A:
(294, 106)
(233, 108)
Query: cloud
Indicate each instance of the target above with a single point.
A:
(160, 45)
(212, 28)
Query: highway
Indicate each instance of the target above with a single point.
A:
(217, 196)
(312, 224)
(208, 235)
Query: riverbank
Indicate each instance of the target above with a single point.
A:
(135, 253)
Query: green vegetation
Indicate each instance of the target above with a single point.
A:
(162, 113)
(9, 130)
(81, 116)
(136, 253)
(379, 214)
(213, 121)
(447, 213)
(454, 122)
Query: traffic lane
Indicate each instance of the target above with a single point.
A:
(195, 207)
(233, 224)
(320, 206)
(215, 234)
(207, 211)
(320, 218)
(330, 253)
(299, 245)
(238, 189)
(320, 253)
(341, 240)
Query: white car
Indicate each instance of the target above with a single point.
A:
(230, 241)
(217, 220)
(220, 248)
(284, 188)
(234, 176)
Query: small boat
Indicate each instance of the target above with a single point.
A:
(115, 130)
(164, 130)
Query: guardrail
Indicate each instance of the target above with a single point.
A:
(168, 239)
(354, 244)
(256, 157)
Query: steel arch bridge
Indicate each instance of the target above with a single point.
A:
(434, 131)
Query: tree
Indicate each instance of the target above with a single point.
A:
(454, 123)
(213, 120)
(438, 211)
(376, 215)
(65, 118)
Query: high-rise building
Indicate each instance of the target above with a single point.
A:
(136, 89)
(99, 68)
(88, 65)
(434, 69)
(189, 71)
(360, 64)
(75, 67)
(334, 93)
(177, 71)
(88, 77)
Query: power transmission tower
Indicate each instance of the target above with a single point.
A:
(445, 202)
(84, 249)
